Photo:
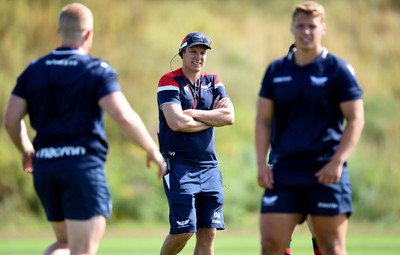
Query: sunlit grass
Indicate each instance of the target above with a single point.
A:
(140, 37)
(236, 242)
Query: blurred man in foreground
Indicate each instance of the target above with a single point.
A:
(65, 94)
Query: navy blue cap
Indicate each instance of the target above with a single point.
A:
(195, 38)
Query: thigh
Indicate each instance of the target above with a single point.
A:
(284, 199)
(180, 185)
(330, 199)
(85, 194)
(282, 208)
(84, 235)
(60, 230)
(276, 230)
(330, 232)
(50, 195)
(209, 202)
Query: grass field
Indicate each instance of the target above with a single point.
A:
(145, 241)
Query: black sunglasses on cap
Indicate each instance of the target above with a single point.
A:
(195, 38)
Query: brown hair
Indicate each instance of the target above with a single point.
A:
(310, 8)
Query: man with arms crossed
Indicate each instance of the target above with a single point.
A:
(65, 94)
(191, 103)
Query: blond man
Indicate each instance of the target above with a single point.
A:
(65, 94)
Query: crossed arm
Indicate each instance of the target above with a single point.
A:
(193, 120)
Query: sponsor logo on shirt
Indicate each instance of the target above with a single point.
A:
(269, 201)
(318, 81)
(327, 205)
(61, 62)
(207, 86)
(60, 152)
(282, 79)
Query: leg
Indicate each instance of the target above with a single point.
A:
(173, 244)
(287, 251)
(314, 241)
(330, 232)
(84, 235)
(60, 246)
(205, 241)
(276, 231)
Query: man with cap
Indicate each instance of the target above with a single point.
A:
(191, 103)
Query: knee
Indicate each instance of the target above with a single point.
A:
(58, 247)
(333, 248)
(187, 236)
(63, 243)
(206, 235)
(181, 238)
(272, 246)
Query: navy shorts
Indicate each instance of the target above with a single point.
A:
(195, 198)
(317, 199)
(73, 195)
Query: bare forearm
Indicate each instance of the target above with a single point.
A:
(188, 124)
(217, 117)
(19, 136)
(351, 136)
(133, 127)
(354, 114)
(262, 141)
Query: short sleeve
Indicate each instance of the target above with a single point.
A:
(266, 88)
(349, 88)
(20, 88)
(108, 80)
(167, 91)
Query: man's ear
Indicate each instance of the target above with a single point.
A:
(87, 34)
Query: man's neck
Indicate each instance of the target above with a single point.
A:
(305, 57)
(191, 76)
(73, 44)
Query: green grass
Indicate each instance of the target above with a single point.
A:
(239, 241)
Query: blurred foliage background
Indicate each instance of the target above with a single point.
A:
(140, 38)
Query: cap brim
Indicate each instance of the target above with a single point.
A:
(199, 43)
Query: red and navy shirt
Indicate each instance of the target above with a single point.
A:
(196, 148)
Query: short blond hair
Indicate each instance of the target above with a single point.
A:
(74, 19)
(310, 8)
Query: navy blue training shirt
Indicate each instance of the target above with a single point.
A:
(196, 148)
(62, 90)
(307, 123)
